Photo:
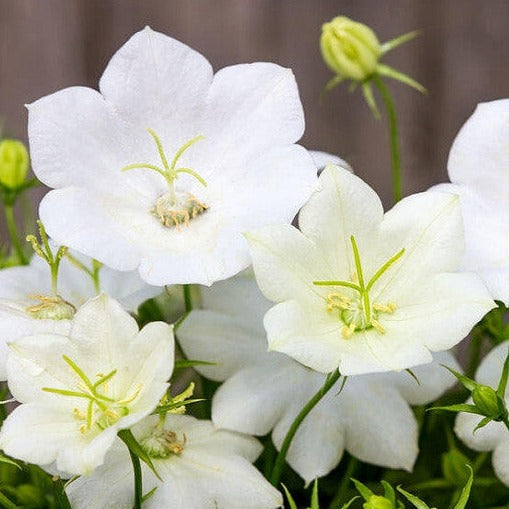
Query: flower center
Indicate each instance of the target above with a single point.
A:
(173, 209)
(354, 307)
(51, 307)
(162, 443)
(101, 410)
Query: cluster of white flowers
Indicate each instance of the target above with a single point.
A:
(173, 175)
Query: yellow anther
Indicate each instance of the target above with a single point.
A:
(377, 325)
(385, 308)
(83, 429)
(78, 414)
(348, 330)
(131, 398)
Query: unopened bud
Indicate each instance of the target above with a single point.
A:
(377, 502)
(13, 163)
(349, 48)
(488, 402)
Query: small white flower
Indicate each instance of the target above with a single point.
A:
(78, 390)
(264, 391)
(28, 306)
(200, 467)
(395, 295)
(209, 156)
(494, 436)
(477, 167)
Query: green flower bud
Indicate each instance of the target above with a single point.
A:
(350, 49)
(13, 163)
(487, 401)
(377, 502)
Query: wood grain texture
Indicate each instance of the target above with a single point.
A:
(461, 57)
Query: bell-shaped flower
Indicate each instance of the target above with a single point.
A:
(492, 436)
(199, 467)
(77, 390)
(477, 167)
(364, 291)
(29, 306)
(166, 166)
(265, 391)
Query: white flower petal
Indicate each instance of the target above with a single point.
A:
(252, 400)
(153, 77)
(479, 152)
(501, 461)
(323, 159)
(281, 260)
(212, 337)
(343, 206)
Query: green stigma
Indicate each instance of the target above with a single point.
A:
(356, 310)
(173, 208)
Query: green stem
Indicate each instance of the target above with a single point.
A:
(138, 490)
(13, 233)
(351, 467)
(397, 187)
(331, 379)
(188, 300)
(505, 420)
(61, 495)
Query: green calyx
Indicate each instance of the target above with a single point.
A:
(357, 311)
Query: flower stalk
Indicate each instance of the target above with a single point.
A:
(331, 379)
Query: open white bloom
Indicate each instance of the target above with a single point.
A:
(166, 166)
(364, 291)
(78, 390)
(371, 417)
(28, 305)
(477, 167)
(494, 436)
(323, 159)
(200, 468)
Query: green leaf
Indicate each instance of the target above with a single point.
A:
(289, 497)
(60, 494)
(398, 41)
(462, 407)
(149, 494)
(9, 461)
(465, 492)
(164, 409)
(389, 492)
(331, 84)
(413, 375)
(482, 423)
(415, 501)
(367, 92)
(128, 438)
(503, 379)
(389, 72)
(468, 383)
(348, 504)
(363, 490)
(315, 504)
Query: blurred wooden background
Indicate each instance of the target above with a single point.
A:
(461, 57)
